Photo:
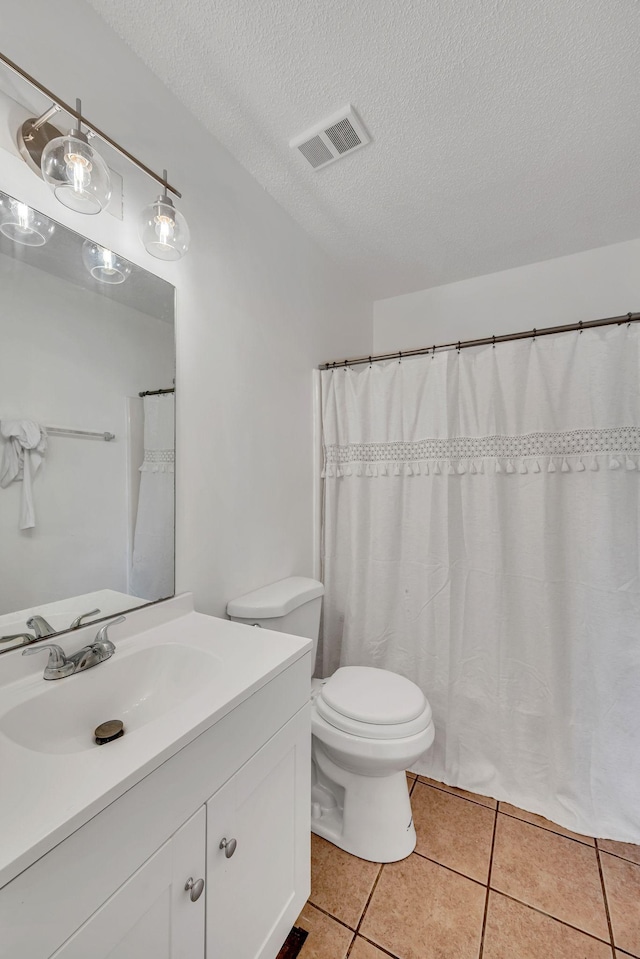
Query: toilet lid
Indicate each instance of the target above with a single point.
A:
(374, 696)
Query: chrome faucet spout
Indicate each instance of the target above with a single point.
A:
(40, 626)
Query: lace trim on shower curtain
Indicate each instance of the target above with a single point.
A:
(158, 461)
(565, 451)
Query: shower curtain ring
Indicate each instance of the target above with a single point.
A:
(458, 346)
(369, 362)
(629, 316)
(534, 334)
(494, 340)
(433, 353)
(399, 357)
(580, 326)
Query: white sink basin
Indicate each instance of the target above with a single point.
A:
(137, 688)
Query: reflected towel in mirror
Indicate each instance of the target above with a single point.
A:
(24, 448)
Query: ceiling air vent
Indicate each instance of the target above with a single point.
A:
(332, 139)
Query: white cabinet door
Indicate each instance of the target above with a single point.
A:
(255, 895)
(151, 916)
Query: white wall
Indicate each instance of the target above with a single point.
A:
(258, 306)
(584, 286)
(69, 358)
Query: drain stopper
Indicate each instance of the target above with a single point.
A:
(106, 732)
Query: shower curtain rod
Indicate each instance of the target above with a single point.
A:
(157, 392)
(483, 341)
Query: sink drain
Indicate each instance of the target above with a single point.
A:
(107, 732)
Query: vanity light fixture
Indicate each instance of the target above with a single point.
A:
(104, 265)
(163, 229)
(76, 172)
(79, 177)
(23, 225)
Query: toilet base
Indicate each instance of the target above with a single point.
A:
(367, 816)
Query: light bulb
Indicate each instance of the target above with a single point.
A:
(108, 260)
(104, 265)
(163, 230)
(23, 225)
(78, 171)
(22, 211)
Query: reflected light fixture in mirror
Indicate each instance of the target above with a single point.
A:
(163, 229)
(23, 225)
(76, 172)
(104, 265)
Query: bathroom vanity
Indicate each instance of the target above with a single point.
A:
(189, 836)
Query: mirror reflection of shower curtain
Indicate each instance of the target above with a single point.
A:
(152, 574)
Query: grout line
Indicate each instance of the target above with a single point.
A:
(548, 915)
(378, 946)
(606, 901)
(326, 912)
(467, 798)
(486, 901)
(617, 855)
(351, 945)
(370, 897)
(546, 828)
(456, 872)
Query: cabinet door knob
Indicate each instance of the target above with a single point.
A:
(194, 887)
(229, 846)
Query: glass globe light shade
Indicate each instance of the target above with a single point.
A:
(163, 230)
(104, 265)
(76, 173)
(23, 225)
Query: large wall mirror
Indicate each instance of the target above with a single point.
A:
(87, 436)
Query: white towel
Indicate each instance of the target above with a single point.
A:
(24, 447)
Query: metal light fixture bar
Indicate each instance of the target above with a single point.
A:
(59, 104)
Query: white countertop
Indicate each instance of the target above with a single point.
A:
(45, 797)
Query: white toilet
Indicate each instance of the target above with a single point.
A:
(369, 725)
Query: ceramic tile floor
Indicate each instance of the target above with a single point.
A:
(487, 881)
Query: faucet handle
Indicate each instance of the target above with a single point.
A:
(78, 620)
(102, 638)
(58, 664)
(25, 637)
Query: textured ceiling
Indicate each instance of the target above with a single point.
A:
(504, 131)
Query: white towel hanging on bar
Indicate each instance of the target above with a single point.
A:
(24, 448)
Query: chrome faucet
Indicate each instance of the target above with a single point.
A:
(59, 665)
(40, 627)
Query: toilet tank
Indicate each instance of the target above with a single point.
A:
(291, 605)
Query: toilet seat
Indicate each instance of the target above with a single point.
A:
(373, 703)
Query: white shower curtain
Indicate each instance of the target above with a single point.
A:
(152, 574)
(481, 537)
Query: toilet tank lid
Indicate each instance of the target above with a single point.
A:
(276, 599)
